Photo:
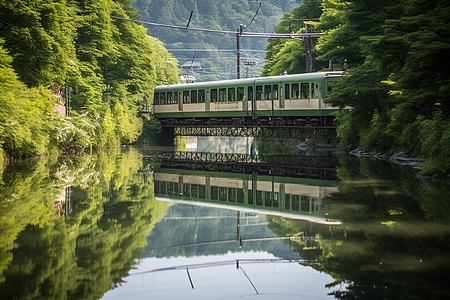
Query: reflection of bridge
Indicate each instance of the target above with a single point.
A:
(317, 167)
(271, 131)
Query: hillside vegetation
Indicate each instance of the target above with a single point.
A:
(397, 81)
(109, 65)
(213, 14)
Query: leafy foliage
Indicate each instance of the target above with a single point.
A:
(286, 54)
(398, 77)
(108, 64)
(80, 247)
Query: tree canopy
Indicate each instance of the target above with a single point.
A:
(397, 78)
(107, 65)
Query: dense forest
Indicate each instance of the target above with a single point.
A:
(394, 54)
(106, 66)
(219, 15)
(397, 73)
(81, 246)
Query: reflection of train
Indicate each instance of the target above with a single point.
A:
(295, 198)
(282, 100)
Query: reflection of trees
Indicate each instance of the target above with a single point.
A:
(47, 255)
(394, 239)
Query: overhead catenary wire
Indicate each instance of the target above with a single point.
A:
(246, 34)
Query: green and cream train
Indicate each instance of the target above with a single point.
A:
(294, 198)
(280, 100)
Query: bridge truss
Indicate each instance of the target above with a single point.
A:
(304, 166)
(311, 133)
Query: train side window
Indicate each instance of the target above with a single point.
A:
(259, 92)
(232, 194)
(214, 95)
(250, 93)
(186, 190)
(304, 90)
(201, 96)
(268, 199)
(201, 191)
(231, 94)
(193, 96)
(162, 98)
(250, 196)
(156, 99)
(275, 91)
(169, 97)
(215, 193)
(240, 93)
(222, 193)
(162, 187)
(259, 197)
(287, 92)
(186, 97)
(175, 97)
(172, 188)
(304, 203)
(194, 191)
(240, 196)
(222, 95)
(295, 202)
(295, 91)
(287, 201)
(275, 199)
(267, 92)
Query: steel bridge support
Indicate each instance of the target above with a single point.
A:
(310, 133)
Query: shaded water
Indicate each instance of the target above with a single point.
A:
(133, 223)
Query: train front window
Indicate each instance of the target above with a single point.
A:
(267, 92)
(222, 95)
(193, 96)
(295, 91)
(330, 85)
(259, 92)
(304, 90)
(214, 95)
(240, 93)
(201, 96)
(231, 94)
(275, 91)
(186, 97)
(287, 92)
(156, 99)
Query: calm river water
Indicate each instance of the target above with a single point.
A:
(222, 219)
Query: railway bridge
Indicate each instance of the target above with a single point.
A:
(276, 106)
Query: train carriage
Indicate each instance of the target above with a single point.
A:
(285, 100)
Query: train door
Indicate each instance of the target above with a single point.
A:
(251, 99)
(207, 101)
(275, 97)
(282, 95)
(180, 101)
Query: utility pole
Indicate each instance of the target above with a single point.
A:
(238, 51)
(308, 54)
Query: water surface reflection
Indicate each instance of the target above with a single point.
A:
(128, 223)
